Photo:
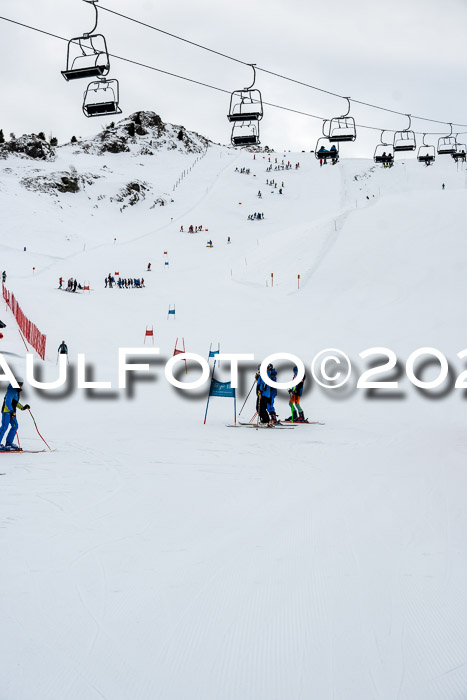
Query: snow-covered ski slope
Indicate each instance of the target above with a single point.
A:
(154, 557)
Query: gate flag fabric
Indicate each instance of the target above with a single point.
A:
(223, 390)
(32, 334)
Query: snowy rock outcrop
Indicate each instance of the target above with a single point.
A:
(28, 145)
(132, 194)
(62, 182)
(144, 134)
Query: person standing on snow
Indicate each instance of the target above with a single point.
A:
(294, 401)
(272, 374)
(10, 404)
(63, 348)
(263, 392)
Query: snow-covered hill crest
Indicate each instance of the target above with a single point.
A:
(144, 133)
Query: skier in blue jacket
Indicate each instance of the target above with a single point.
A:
(263, 392)
(10, 404)
(272, 374)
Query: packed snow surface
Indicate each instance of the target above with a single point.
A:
(151, 556)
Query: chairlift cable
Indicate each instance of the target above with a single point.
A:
(277, 75)
(219, 89)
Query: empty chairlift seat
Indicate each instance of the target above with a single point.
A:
(447, 145)
(245, 106)
(101, 98)
(245, 113)
(342, 129)
(245, 134)
(87, 57)
(405, 140)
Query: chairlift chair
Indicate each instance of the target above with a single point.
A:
(245, 134)
(342, 128)
(87, 55)
(384, 153)
(101, 98)
(426, 153)
(245, 105)
(461, 152)
(447, 145)
(245, 112)
(325, 153)
(405, 140)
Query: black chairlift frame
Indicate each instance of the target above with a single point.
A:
(105, 106)
(249, 138)
(461, 152)
(406, 137)
(384, 153)
(426, 153)
(321, 152)
(447, 145)
(92, 47)
(344, 123)
(247, 96)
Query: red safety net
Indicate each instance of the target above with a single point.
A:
(30, 332)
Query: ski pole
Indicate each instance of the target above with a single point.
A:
(35, 424)
(254, 381)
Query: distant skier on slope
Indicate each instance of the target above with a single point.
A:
(63, 348)
(10, 404)
(294, 401)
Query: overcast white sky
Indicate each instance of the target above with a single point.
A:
(407, 55)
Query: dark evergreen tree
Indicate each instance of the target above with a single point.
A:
(41, 136)
(74, 139)
(2, 138)
(131, 129)
(54, 141)
(180, 135)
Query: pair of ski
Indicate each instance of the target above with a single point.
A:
(18, 452)
(285, 425)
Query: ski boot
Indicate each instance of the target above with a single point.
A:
(12, 448)
(274, 419)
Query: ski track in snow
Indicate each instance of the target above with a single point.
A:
(152, 557)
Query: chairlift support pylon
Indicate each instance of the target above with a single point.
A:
(384, 153)
(101, 98)
(87, 55)
(341, 129)
(405, 140)
(245, 113)
(447, 145)
(426, 153)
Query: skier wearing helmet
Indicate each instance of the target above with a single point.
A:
(294, 400)
(10, 404)
(272, 374)
(263, 392)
